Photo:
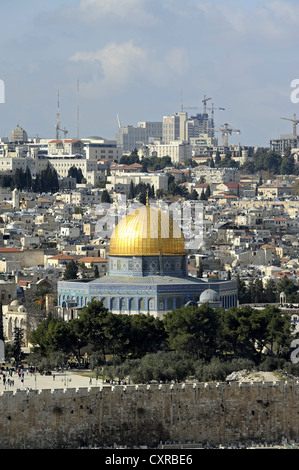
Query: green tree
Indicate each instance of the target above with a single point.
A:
(105, 331)
(28, 178)
(71, 271)
(6, 181)
(270, 291)
(203, 196)
(237, 335)
(193, 196)
(18, 342)
(200, 270)
(290, 288)
(40, 295)
(147, 334)
(105, 196)
(243, 294)
(279, 330)
(256, 291)
(130, 159)
(19, 179)
(142, 196)
(46, 180)
(131, 190)
(95, 325)
(287, 166)
(55, 335)
(76, 173)
(193, 329)
(1, 323)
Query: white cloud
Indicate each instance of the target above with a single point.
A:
(123, 64)
(133, 12)
(277, 19)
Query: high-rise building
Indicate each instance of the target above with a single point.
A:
(174, 127)
(179, 127)
(131, 137)
(18, 135)
(284, 142)
(204, 124)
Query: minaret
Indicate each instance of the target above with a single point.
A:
(15, 199)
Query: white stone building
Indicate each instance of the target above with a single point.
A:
(177, 150)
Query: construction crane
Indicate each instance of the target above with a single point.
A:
(213, 109)
(118, 121)
(212, 115)
(226, 130)
(205, 116)
(188, 107)
(295, 122)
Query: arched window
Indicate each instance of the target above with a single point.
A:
(151, 304)
(104, 301)
(161, 303)
(113, 303)
(131, 304)
(122, 304)
(169, 304)
(141, 304)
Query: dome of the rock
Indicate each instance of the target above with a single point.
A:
(147, 231)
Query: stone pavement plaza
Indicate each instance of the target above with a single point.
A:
(36, 381)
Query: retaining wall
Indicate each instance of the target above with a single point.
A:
(223, 413)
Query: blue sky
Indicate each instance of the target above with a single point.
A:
(142, 59)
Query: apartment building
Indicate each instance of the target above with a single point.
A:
(121, 182)
(130, 137)
(102, 149)
(65, 147)
(178, 151)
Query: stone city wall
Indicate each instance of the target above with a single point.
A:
(223, 413)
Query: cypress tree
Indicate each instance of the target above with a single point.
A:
(1, 323)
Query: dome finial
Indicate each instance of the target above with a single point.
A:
(147, 197)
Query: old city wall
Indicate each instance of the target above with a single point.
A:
(146, 415)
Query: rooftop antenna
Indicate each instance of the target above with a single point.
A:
(58, 128)
(57, 117)
(78, 120)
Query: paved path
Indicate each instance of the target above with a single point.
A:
(68, 379)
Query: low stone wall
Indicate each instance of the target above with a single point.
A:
(223, 413)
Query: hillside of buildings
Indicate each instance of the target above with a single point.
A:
(241, 203)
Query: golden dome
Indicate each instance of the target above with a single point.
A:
(147, 231)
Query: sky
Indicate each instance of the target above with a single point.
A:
(144, 59)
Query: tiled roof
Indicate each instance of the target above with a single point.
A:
(62, 256)
(92, 259)
(9, 250)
